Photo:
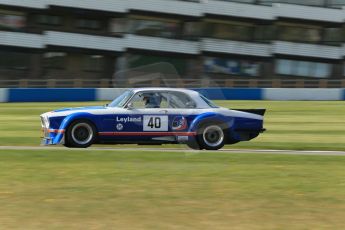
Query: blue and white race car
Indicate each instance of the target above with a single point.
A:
(153, 116)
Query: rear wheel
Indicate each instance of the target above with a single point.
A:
(80, 134)
(211, 136)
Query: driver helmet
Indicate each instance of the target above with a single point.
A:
(152, 100)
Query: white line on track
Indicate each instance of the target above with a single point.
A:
(184, 150)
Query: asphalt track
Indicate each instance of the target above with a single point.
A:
(182, 150)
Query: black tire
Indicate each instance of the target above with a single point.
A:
(193, 144)
(80, 134)
(212, 136)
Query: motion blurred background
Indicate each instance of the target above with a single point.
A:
(239, 43)
(242, 53)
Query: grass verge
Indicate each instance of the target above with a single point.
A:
(50, 189)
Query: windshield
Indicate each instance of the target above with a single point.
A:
(122, 99)
(210, 103)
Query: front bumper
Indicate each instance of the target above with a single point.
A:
(52, 137)
(46, 141)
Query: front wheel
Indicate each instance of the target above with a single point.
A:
(80, 134)
(211, 137)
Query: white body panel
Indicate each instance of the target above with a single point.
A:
(201, 107)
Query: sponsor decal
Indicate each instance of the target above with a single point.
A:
(119, 126)
(128, 119)
(179, 123)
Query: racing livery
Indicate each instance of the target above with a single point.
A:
(153, 116)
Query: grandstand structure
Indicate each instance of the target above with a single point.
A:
(239, 43)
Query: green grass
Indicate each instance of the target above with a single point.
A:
(299, 125)
(61, 189)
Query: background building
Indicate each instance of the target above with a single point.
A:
(237, 43)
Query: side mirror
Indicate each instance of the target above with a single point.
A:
(130, 106)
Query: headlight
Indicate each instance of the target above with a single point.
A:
(44, 122)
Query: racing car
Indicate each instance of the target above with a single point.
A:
(153, 116)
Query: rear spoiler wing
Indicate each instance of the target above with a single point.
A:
(254, 111)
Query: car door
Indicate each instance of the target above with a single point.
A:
(182, 111)
(143, 120)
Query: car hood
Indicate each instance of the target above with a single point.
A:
(79, 108)
(67, 111)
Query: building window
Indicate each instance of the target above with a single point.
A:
(232, 66)
(12, 20)
(179, 66)
(264, 33)
(303, 68)
(336, 3)
(192, 30)
(93, 63)
(299, 33)
(90, 24)
(228, 30)
(55, 60)
(322, 70)
(51, 20)
(118, 26)
(333, 36)
(14, 60)
(155, 27)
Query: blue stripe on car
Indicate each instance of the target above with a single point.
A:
(107, 123)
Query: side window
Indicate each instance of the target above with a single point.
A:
(150, 100)
(137, 102)
(164, 100)
(181, 101)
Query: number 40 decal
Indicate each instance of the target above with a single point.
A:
(155, 123)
